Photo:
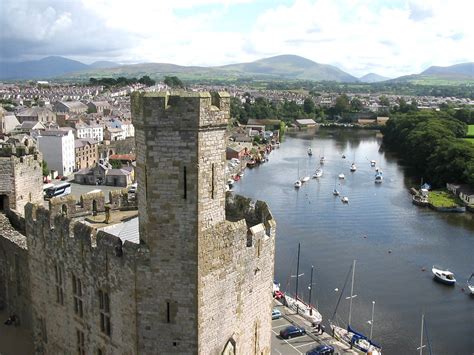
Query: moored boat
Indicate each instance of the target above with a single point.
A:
(341, 176)
(318, 173)
(470, 285)
(307, 311)
(310, 151)
(444, 276)
(378, 178)
(298, 184)
(353, 167)
(373, 163)
(345, 199)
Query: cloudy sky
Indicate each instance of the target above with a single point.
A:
(388, 37)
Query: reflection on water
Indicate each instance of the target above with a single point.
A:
(392, 240)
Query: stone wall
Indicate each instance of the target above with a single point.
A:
(62, 253)
(14, 274)
(21, 181)
(215, 281)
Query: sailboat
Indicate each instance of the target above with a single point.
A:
(298, 183)
(423, 328)
(318, 173)
(357, 341)
(353, 165)
(322, 160)
(305, 177)
(306, 310)
(335, 192)
(470, 285)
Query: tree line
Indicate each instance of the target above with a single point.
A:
(432, 142)
(122, 81)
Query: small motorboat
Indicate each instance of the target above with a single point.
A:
(335, 192)
(341, 176)
(470, 285)
(318, 173)
(444, 276)
(353, 167)
(310, 151)
(345, 199)
(373, 163)
(298, 184)
(322, 160)
(343, 156)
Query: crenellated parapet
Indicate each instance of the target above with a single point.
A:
(60, 234)
(253, 212)
(180, 110)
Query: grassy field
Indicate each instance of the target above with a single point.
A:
(470, 140)
(443, 198)
(470, 130)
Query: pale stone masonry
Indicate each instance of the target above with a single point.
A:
(214, 276)
(198, 282)
(21, 178)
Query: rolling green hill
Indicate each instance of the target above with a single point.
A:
(285, 67)
(451, 75)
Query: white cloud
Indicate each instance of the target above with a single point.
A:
(357, 35)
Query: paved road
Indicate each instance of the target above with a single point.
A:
(302, 344)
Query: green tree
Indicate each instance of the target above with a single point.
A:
(146, 80)
(44, 166)
(116, 164)
(342, 104)
(308, 106)
(356, 105)
(384, 101)
(173, 82)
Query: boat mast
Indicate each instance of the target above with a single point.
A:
(310, 289)
(372, 320)
(421, 337)
(297, 277)
(352, 293)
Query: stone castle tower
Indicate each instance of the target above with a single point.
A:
(21, 177)
(207, 288)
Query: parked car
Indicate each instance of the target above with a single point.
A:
(292, 332)
(278, 295)
(321, 350)
(59, 177)
(276, 314)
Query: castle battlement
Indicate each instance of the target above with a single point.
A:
(180, 110)
(59, 234)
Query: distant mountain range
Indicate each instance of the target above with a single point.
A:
(373, 78)
(283, 67)
(46, 68)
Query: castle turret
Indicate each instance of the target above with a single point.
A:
(207, 286)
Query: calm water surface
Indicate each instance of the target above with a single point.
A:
(378, 219)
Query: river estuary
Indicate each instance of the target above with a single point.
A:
(391, 239)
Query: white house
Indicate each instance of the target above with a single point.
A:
(57, 147)
(93, 131)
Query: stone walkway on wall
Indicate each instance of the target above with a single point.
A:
(14, 340)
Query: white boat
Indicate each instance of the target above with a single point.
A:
(230, 182)
(304, 178)
(318, 173)
(335, 192)
(310, 151)
(378, 178)
(322, 160)
(345, 199)
(308, 312)
(355, 340)
(444, 276)
(341, 176)
(378, 170)
(353, 167)
(298, 184)
(373, 163)
(470, 286)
